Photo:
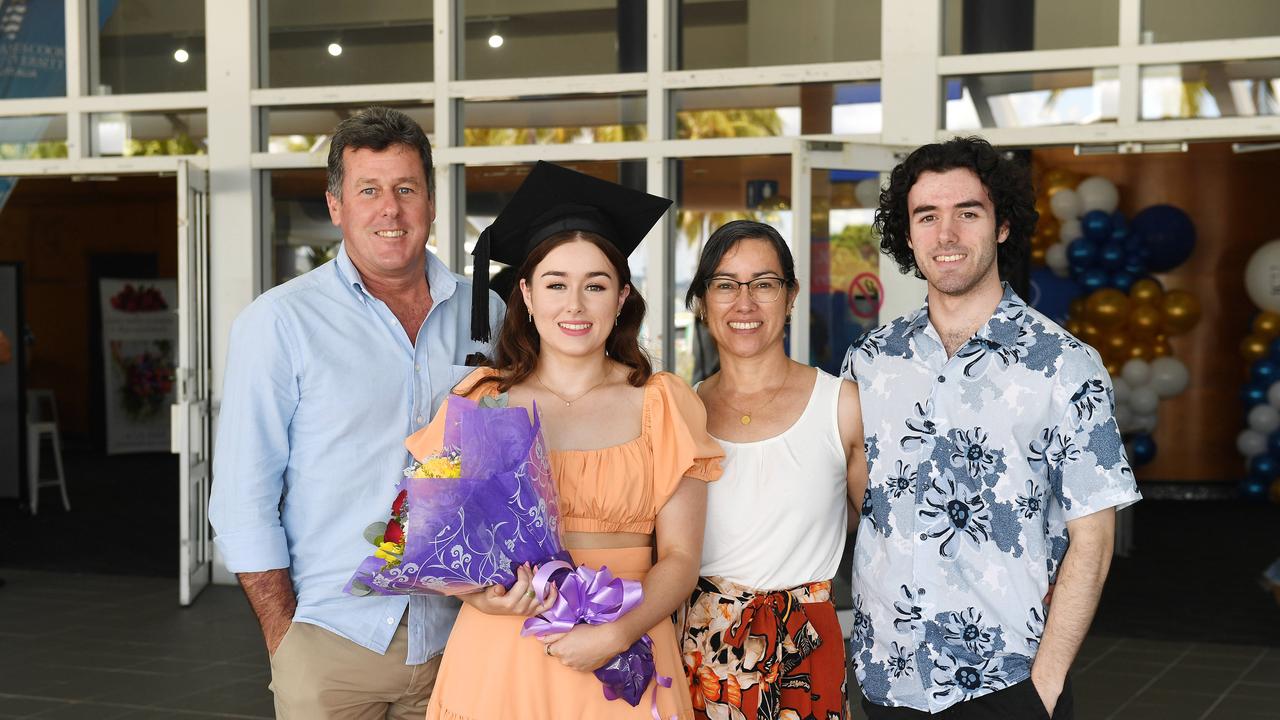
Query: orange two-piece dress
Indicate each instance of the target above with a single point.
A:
(490, 672)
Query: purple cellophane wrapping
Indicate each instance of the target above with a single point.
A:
(464, 534)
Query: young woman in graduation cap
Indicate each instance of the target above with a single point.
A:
(629, 452)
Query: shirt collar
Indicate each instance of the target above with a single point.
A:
(1002, 328)
(440, 280)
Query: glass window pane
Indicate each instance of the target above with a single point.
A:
(489, 187)
(308, 128)
(33, 60)
(845, 292)
(302, 237)
(713, 191)
(1240, 88)
(1032, 99)
(554, 120)
(39, 136)
(176, 132)
(778, 110)
(1181, 20)
(743, 33)
(972, 27)
(145, 46)
(581, 38)
(337, 42)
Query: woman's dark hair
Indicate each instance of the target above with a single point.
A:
(724, 239)
(1007, 182)
(516, 350)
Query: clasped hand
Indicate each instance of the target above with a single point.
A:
(520, 599)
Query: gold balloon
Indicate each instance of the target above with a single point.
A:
(1076, 308)
(1043, 207)
(1037, 256)
(1058, 179)
(1181, 311)
(1146, 291)
(1141, 351)
(1115, 344)
(1160, 347)
(1107, 307)
(1267, 324)
(1254, 347)
(1144, 319)
(1090, 333)
(1076, 327)
(1113, 368)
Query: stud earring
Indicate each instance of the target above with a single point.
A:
(530, 316)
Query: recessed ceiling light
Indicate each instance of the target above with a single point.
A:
(181, 55)
(335, 49)
(495, 40)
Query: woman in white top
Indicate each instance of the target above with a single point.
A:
(760, 639)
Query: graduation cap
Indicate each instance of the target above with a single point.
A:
(551, 200)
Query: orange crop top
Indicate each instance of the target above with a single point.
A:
(619, 488)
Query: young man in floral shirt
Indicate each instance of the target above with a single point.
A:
(995, 463)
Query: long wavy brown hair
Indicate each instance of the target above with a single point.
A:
(516, 352)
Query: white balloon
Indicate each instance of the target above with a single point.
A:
(1169, 376)
(1144, 422)
(1273, 394)
(1262, 276)
(1056, 259)
(1264, 418)
(1124, 417)
(867, 192)
(1070, 230)
(1065, 205)
(1136, 372)
(1144, 400)
(1251, 442)
(1097, 193)
(1122, 389)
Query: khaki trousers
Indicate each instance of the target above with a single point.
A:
(316, 674)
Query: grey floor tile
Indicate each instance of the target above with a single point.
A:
(237, 698)
(81, 711)
(1205, 680)
(1148, 711)
(1258, 690)
(1266, 672)
(19, 706)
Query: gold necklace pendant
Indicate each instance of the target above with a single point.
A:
(746, 420)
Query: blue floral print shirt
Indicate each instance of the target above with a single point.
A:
(977, 462)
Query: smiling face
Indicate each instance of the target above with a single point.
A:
(745, 327)
(574, 295)
(385, 211)
(953, 232)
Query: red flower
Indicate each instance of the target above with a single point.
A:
(394, 533)
(397, 507)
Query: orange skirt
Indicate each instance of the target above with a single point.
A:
(490, 672)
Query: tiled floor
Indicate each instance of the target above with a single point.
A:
(107, 647)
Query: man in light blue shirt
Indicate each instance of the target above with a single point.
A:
(326, 376)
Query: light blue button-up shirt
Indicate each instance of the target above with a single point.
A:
(977, 463)
(322, 387)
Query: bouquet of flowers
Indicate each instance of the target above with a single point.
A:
(466, 518)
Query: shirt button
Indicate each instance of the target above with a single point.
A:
(942, 378)
(391, 621)
(924, 536)
(420, 420)
(417, 367)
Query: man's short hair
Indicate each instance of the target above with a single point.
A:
(1007, 183)
(377, 128)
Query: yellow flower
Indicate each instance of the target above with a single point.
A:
(439, 467)
(390, 552)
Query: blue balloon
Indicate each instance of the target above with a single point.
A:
(1264, 372)
(1135, 266)
(1122, 280)
(1119, 224)
(1052, 295)
(1112, 256)
(1082, 252)
(1273, 444)
(1273, 350)
(1096, 225)
(1253, 489)
(1093, 279)
(1253, 394)
(1142, 449)
(1264, 466)
(1168, 234)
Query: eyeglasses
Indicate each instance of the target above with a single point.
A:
(761, 290)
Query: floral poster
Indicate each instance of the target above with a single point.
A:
(139, 351)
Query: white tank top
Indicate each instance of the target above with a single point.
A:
(776, 518)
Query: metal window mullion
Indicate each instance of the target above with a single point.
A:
(344, 94)
(801, 218)
(661, 240)
(773, 75)
(450, 195)
(509, 88)
(1073, 58)
(76, 63)
(1143, 131)
(910, 90)
(1130, 99)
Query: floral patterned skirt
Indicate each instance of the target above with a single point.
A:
(752, 655)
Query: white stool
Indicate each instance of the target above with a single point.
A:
(42, 422)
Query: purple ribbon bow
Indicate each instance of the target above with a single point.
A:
(596, 597)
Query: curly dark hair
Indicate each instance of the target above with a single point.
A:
(1007, 181)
